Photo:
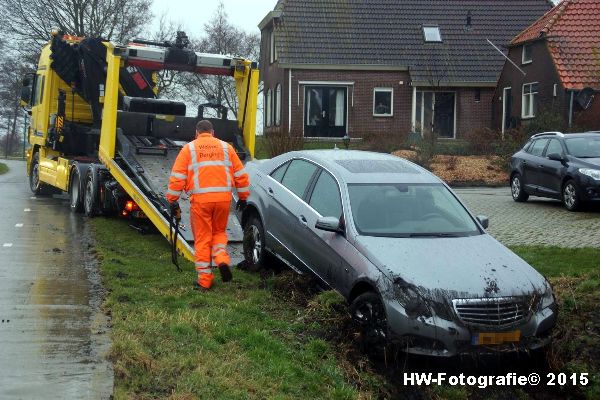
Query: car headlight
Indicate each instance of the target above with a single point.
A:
(592, 173)
(547, 298)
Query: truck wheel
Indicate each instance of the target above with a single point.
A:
(90, 199)
(254, 244)
(35, 185)
(75, 192)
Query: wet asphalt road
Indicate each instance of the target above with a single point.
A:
(53, 337)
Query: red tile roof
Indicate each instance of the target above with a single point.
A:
(572, 29)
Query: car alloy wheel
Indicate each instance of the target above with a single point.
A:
(570, 196)
(516, 188)
(256, 244)
(368, 311)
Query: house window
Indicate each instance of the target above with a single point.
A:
(272, 49)
(383, 100)
(435, 112)
(432, 34)
(528, 103)
(526, 54)
(268, 113)
(278, 105)
(477, 95)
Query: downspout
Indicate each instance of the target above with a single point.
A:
(289, 101)
(571, 109)
(414, 109)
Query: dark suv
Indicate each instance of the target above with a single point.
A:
(560, 166)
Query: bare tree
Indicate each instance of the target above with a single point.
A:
(11, 73)
(221, 37)
(29, 22)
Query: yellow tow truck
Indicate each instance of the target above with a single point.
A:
(99, 132)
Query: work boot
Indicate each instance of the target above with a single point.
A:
(225, 272)
(200, 288)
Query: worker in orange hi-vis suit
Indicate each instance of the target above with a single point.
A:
(208, 168)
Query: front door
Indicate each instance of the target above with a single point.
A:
(325, 111)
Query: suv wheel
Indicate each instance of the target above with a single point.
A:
(517, 190)
(570, 196)
(368, 311)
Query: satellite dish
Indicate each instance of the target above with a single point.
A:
(585, 97)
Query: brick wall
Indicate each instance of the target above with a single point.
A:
(473, 115)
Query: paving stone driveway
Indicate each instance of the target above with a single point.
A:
(536, 222)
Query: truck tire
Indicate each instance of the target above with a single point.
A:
(76, 192)
(90, 199)
(35, 185)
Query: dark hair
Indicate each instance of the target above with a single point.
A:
(204, 126)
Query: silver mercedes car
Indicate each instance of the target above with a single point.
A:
(416, 267)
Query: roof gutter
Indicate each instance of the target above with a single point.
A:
(268, 18)
(485, 84)
(344, 67)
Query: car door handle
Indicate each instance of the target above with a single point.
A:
(303, 220)
(270, 191)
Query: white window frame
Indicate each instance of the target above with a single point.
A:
(277, 107)
(421, 104)
(386, 90)
(532, 96)
(268, 108)
(523, 60)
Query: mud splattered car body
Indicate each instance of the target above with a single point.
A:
(396, 242)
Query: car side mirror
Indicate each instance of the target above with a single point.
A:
(329, 224)
(484, 221)
(556, 157)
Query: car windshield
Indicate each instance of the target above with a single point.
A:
(584, 147)
(408, 210)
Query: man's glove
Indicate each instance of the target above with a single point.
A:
(176, 210)
(240, 205)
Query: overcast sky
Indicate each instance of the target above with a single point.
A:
(192, 14)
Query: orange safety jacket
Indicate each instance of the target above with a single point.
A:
(208, 169)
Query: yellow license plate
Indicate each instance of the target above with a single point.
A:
(492, 338)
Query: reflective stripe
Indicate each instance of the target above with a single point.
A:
(243, 189)
(194, 161)
(218, 189)
(220, 245)
(174, 193)
(209, 164)
(240, 173)
(226, 160)
(202, 264)
(178, 175)
(204, 273)
(218, 251)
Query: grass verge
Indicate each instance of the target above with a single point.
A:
(3, 168)
(267, 336)
(241, 340)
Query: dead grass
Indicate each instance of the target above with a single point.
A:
(464, 170)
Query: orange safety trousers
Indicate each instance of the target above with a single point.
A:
(209, 224)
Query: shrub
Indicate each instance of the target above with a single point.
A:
(278, 142)
(482, 141)
(383, 142)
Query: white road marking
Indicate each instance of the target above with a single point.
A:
(27, 210)
(33, 197)
(18, 225)
(7, 245)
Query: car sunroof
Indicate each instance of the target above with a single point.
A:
(376, 166)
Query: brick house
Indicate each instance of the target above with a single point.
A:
(336, 67)
(556, 67)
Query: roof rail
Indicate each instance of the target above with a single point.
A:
(560, 134)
